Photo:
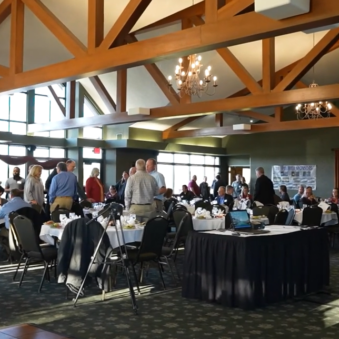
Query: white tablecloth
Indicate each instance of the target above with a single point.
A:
(190, 208)
(261, 220)
(208, 224)
(328, 219)
(47, 233)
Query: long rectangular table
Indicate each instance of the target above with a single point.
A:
(252, 271)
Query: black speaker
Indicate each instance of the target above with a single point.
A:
(31, 148)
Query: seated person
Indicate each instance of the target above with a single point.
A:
(112, 194)
(283, 193)
(225, 196)
(244, 195)
(168, 194)
(186, 194)
(308, 198)
(14, 204)
(334, 199)
(300, 194)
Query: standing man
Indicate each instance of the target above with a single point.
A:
(204, 189)
(237, 184)
(264, 191)
(193, 186)
(16, 182)
(120, 186)
(63, 190)
(140, 191)
(151, 165)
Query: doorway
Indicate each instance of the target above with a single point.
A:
(243, 171)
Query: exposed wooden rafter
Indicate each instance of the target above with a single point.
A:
(70, 100)
(233, 8)
(219, 119)
(125, 22)
(179, 125)
(250, 27)
(268, 64)
(211, 10)
(57, 100)
(16, 58)
(121, 90)
(95, 27)
(5, 10)
(4, 71)
(103, 93)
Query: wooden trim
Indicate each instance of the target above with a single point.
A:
(178, 125)
(70, 100)
(125, 22)
(311, 58)
(4, 71)
(233, 8)
(5, 10)
(16, 59)
(95, 27)
(249, 27)
(219, 119)
(278, 113)
(57, 28)
(103, 93)
(211, 10)
(268, 64)
(121, 90)
(57, 100)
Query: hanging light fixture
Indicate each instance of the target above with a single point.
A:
(313, 110)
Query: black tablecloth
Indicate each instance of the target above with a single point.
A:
(249, 272)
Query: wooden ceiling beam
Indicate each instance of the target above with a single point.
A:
(255, 115)
(16, 57)
(278, 113)
(95, 27)
(57, 100)
(233, 8)
(5, 10)
(103, 93)
(268, 64)
(158, 77)
(249, 27)
(4, 71)
(211, 10)
(57, 28)
(185, 98)
(179, 125)
(125, 22)
(121, 90)
(70, 100)
(309, 60)
(219, 119)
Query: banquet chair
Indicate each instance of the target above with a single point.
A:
(204, 205)
(150, 249)
(312, 216)
(333, 230)
(85, 203)
(223, 208)
(281, 217)
(29, 245)
(55, 215)
(261, 210)
(290, 217)
(77, 209)
(272, 212)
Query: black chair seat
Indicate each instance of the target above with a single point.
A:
(171, 235)
(166, 251)
(133, 255)
(49, 253)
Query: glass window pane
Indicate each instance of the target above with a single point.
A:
(56, 114)
(89, 110)
(57, 153)
(88, 152)
(4, 107)
(165, 157)
(3, 172)
(42, 91)
(181, 158)
(18, 103)
(18, 151)
(4, 149)
(4, 126)
(210, 174)
(17, 128)
(199, 171)
(217, 161)
(197, 159)
(59, 90)
(209, 160)
(22, 170)
(41, 105)
(88, 169)
(167, 171)
(41, 152)
(92, 133)
(181, 177)
(57, 134)
(41, 134)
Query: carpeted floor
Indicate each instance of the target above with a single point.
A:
(163, 314)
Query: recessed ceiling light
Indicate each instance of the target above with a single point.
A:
(251, 121)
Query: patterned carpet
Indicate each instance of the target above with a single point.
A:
(163, 314)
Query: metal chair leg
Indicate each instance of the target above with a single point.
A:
(43, 276)
(135, 278)
(161, 276)
(18, 267)
(23, 272)
(170, 268)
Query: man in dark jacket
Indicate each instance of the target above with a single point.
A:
(264, 191)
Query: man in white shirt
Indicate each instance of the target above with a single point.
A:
(140, 191)
(151, 165)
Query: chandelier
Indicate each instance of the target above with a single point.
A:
(313, 110)
(190, 82)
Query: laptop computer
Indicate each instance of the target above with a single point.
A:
(242, 223)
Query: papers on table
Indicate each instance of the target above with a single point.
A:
(324, 206)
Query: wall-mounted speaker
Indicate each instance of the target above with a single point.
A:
(31, 148)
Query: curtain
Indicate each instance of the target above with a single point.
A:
(47, 165)
(336, 170)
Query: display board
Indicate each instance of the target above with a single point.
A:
(294, 175)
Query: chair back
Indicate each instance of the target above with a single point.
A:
(178, 215)
(272, 212)
(77, 209)
(85, 203)
(290, 217)
(223, 208)
(33, 215)
(261, 210)
(187, 225)
(153, 237)
(55, 215)
(312, 216)
(13, 241)
(24, 230)
(204, 205)
(281, 217)
(179, 207)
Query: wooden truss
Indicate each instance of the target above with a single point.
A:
(120, 49)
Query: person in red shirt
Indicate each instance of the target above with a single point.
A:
(244, 193)
(94, 187)
(335, 197)
(193, 186)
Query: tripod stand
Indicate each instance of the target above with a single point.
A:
(122, 260)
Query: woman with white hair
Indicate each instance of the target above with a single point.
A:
(94, 187)
(34, 188)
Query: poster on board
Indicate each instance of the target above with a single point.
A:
(294, 175)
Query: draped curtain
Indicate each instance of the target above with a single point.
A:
(336, 170)
(47, 165)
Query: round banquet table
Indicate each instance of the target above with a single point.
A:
(327, 219)
(208, 224)
(47, 234)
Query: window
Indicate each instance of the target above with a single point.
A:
(3, 126)
(18, 107)
(92, 133)
(18, 128)
(179, 168)
(57, 134)
(42, 109)
(88, 169)
(4, 107)
(57, 153)
(18, 151)
(41, 153)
